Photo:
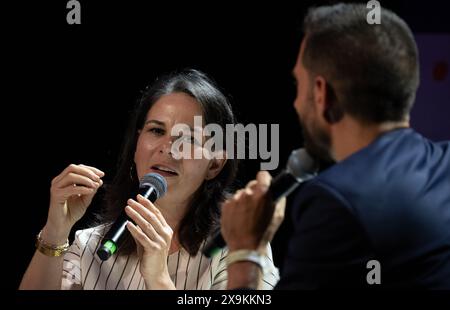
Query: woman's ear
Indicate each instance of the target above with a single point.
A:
(216, 164)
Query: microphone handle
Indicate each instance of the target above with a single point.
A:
(282, 185)
(118, 232)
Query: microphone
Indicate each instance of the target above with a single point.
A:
(301, 167)
(152, 186)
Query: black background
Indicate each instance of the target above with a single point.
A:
(71, 86)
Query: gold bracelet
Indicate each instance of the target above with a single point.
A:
(49, 249)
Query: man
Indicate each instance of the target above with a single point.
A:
(380, 217)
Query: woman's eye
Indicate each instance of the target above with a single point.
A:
(157, 131)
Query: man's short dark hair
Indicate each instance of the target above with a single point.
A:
(373, 70)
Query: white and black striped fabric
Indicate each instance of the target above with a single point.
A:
(82, 269)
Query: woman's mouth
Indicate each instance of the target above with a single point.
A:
(164, 171)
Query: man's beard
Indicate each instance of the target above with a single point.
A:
(317, 143)
(316, 140)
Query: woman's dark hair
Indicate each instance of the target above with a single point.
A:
(373, 70)
(203, 214)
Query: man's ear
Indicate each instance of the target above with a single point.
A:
(326, 102)
(320, 94)
(216, 164)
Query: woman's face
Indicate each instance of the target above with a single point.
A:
(153, 150)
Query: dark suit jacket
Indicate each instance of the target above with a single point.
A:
(388, 202)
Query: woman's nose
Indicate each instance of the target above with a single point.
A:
(166, 146)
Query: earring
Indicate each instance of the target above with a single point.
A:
(131, 172)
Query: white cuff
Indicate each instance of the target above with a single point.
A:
(246, 255)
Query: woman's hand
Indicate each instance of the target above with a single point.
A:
(153, 237)
(71, 193)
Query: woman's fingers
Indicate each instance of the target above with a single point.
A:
(71, 190)
(73, 178)
(152, 208)
(71, 193)
(140, 237)
(145, 225)
(152, 215)
(89, 172)
(97, 171)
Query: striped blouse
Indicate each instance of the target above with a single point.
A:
(82, 269)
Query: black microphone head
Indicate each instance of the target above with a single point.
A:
(157, 181)
(301, 165)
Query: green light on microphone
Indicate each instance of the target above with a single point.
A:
(111, 246)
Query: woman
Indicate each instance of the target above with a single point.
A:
(168, 235)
